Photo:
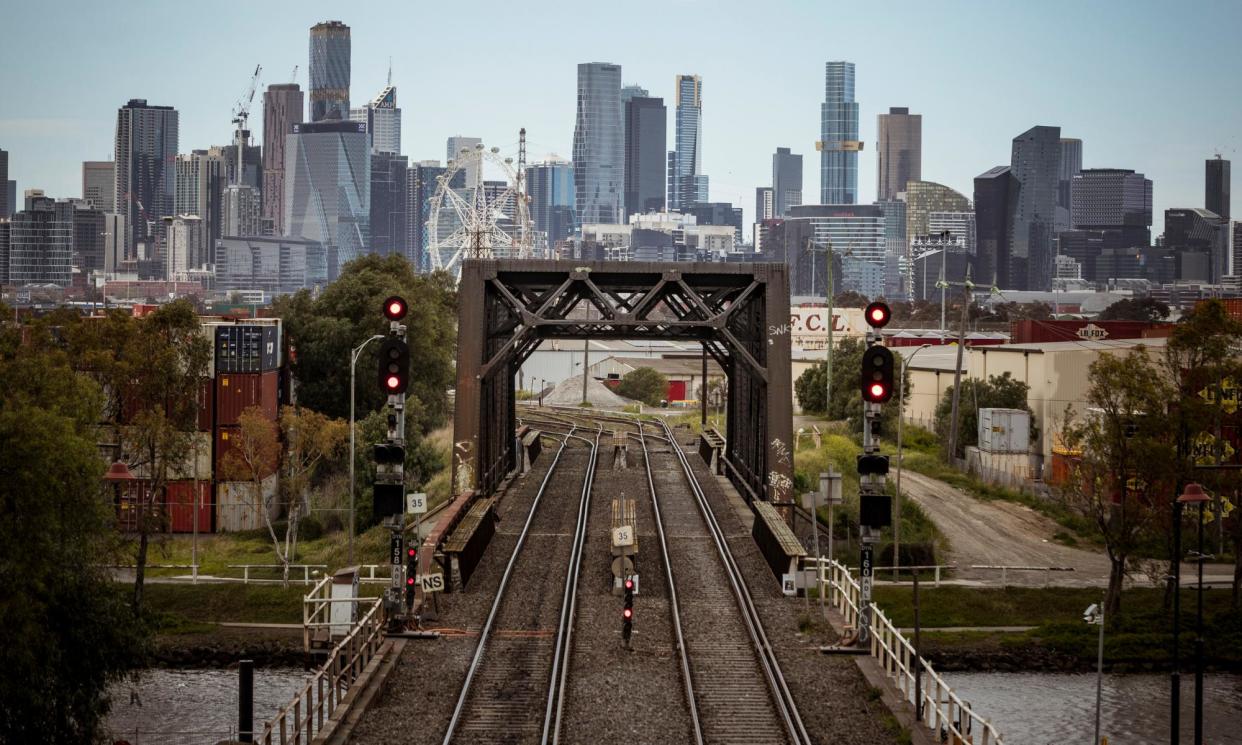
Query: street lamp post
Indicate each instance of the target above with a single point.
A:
(1095, 614)
(1193, 494)
(901, 405)
(353, 361)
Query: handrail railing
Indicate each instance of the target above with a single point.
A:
(944, 713)
(306, 571)
(323, 692)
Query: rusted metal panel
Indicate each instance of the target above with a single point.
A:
(238, 509)
(180, 504)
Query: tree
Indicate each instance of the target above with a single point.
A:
(644, 384)
(1127, 458)
(71, 634)
(850, 299)
(997, 392)
(1135, 309)
(310, 439)
(151, 369)
(323, 330)
(846, 393)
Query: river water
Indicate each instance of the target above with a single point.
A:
(194, 706)
(1044, 708)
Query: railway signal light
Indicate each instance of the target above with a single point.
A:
(411, 575)
(394, 366)
(878, 314)
(627, 613)
(395, 308)
(877, 375)
(875, 510)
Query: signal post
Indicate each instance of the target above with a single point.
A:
(875, 506)
(388, 497)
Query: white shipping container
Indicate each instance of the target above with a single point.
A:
(1004, 430)
(236, 508)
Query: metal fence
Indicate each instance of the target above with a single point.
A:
(943, 712)
(298, 721)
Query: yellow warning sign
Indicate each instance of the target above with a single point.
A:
(1204, 448)
(1228, 395)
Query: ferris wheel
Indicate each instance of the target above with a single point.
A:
(472, 218)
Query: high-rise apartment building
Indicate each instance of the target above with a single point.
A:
(99, 183)
(646, 138)
(1115, 200)
(1071, 165)
(454, 148)
(550, 185)
(185, 246)
(328, 187)
(599, 150)
(859, 235)
(146, 152)
(4, 250)
(765, 203)
(958, 225)
(996, 193)
(1216, 186)
(383, 120)
(786, 181)
(1199, 239)
(329, 71)
(41, 243)
(201, 178)
(89, 236)
(282, 108)
(241, 214)
(687, 185)
(838, 143)
(276, 266)
(1036, 164)
(11, 199)
(925, 197)
(899, 152)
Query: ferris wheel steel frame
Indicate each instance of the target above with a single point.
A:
(498, 227)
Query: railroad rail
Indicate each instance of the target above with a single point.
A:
(500, 693)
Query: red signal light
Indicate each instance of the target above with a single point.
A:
(411, 552)
(409, 581)
(395, 308)
(878, 314)
(627, 614)
(393, 382)
(877, 391)
(629, 584)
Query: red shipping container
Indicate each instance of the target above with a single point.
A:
(180, 506)
(1038, 332)
(236, 392)
(206, 402)
(226, 442)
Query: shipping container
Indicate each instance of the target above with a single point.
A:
(179, 506)
(206, 403)
(1040, 332)
(1004, 430)
(196, 462)
(247, 347)
(227, 442)
(237, 509)
(236, 392)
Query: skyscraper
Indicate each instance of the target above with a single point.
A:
(996, 192)
(453, 151)
(550, 185)
(926, 197)
(329, 71)
(687, 185)
(646, 122)
(201, 177)
(98, 183)
(389, 204)
(327, 188)
(786, 181)
(6, 207)
(89, 233)
(599, 153)
(423, 178)
(1216, 187)
(899, 154)
(1071, 165)
(383, 120)
(1036, 164)
(1114, 200)
(146, 150)
(282, 108)
(765, 204)
(838, 143)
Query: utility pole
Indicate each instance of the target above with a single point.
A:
(827, 251)
(966, 286)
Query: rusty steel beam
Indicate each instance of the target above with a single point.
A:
(740, 312)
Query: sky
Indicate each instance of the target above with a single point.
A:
(1151, 86)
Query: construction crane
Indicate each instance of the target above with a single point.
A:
(241, 115)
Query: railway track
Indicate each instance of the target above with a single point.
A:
(513, 688)
(734, 692)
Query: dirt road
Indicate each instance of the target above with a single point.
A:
(1001, 533)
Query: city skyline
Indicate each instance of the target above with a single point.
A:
(965, 133)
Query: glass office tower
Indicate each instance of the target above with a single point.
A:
(329, 71)
(599, 153)
(839, 144)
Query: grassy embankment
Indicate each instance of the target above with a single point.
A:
(1142, 640)
(920, 539)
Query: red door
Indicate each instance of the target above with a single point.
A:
(676, 390)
